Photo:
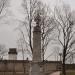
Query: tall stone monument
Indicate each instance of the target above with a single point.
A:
(36, 47)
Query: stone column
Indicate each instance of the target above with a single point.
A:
(36, 48)
(36, 51)
(37, 44)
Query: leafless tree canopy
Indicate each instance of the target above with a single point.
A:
(66, 33)
(3, 5)
(3, 51)
(31, 8)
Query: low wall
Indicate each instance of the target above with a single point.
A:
(20, 67)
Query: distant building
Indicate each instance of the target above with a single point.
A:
(12, 54)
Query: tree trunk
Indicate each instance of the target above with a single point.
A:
(63, 69)
(63, 65)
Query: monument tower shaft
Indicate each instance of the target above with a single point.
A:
(36, 47)
(37, 44)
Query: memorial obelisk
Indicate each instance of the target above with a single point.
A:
(36, 47)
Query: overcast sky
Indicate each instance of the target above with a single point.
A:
(8, 35)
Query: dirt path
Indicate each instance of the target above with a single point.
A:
(56, 73)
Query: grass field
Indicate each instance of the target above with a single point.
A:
(70, 73)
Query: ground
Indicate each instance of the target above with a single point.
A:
(70, 73)
(67, 73)
(56, 73)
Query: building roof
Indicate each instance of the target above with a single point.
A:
(12, 51)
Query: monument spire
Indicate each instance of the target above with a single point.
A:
(37, 39)
(37, 19)
(36, 47)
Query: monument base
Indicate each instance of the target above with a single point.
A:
(35, 69)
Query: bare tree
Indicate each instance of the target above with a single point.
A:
(71, 58)
(66, 34)
(21, 47)
(3, 6)
(31, 8)
(3, 51)
(47, 26)
(26, 26)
